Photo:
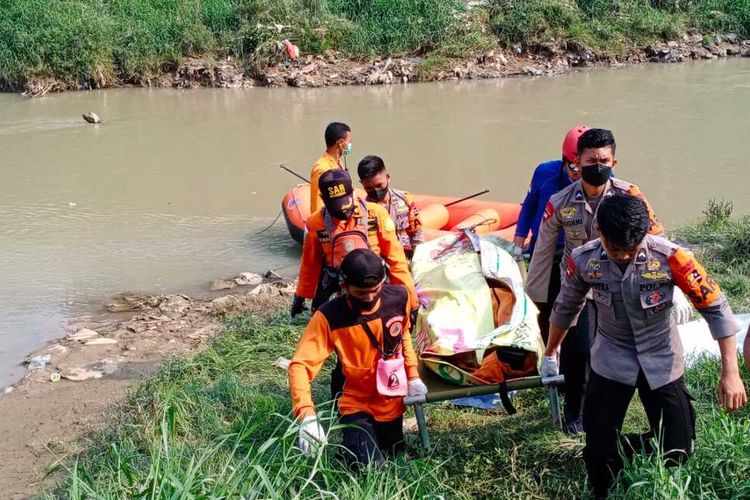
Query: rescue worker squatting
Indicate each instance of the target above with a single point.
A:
(633, 276)
(366, 325)
(338, 138)
(400, 205)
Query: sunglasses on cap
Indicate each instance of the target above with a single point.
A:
(573, 167)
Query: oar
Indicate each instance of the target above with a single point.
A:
(283, 167)
(467, 197)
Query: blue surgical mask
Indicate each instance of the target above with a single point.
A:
(348, 149)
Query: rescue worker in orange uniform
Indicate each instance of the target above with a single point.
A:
(368, 328)
(338, 137)
(633, 277)
(572, 213)
(400, 205)
(345, 222)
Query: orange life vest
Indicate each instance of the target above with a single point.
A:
(344, 241)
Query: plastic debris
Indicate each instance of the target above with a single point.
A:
(37, 363)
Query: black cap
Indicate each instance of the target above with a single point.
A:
(336, 190)
(362, 267)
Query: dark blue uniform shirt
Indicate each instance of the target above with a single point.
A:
(549, 178)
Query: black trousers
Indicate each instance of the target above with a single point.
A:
(328, 284)
(365, 440)
(671, 419)
(574, 351)
(337, 382)
(574, 364)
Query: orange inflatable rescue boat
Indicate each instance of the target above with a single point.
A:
(488, 217)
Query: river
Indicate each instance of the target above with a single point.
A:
(171, 190)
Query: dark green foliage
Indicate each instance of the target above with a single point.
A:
(396, 26)
(82, 42)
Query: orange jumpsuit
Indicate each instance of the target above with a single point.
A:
(335, 327)
(383, 240)
(324, 164)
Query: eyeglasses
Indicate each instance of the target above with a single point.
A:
(574, 168)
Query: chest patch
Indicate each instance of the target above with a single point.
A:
(568, 213)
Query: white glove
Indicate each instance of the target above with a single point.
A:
(549, 367)
(311, 435)
(681, 307)
(517, 252)
(417, 387)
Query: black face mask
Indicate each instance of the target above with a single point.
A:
(597, 174)
(377, 194)
(341, 214)
(362, 305)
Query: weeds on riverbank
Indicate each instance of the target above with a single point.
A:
(217, 426)
(722, 243)
(95, 42)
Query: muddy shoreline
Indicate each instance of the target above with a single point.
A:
(73, 381)
(554, 57)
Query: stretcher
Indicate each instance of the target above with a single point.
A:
(439, 390)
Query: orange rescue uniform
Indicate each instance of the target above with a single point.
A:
(381, 236)
(324, 164)
(335, 327)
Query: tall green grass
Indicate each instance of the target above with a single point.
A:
(93, 42)
(722, 243)
(218, 425)
(720, 466)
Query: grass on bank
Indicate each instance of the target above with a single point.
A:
(722, 243)
(217, 425)
(93, 42)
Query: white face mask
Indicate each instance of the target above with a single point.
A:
(348, 149)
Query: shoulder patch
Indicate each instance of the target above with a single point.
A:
(690, 276)
(622, 185)
(571, 267)
(549, 210)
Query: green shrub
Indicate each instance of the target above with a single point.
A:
(523, 21)
(66, 39)
(389, 27)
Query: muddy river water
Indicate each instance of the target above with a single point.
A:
(170, 191)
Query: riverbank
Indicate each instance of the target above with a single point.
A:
(80, 44)
(72, 382)
(213, 420)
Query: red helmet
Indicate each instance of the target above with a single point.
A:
(570, 144)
